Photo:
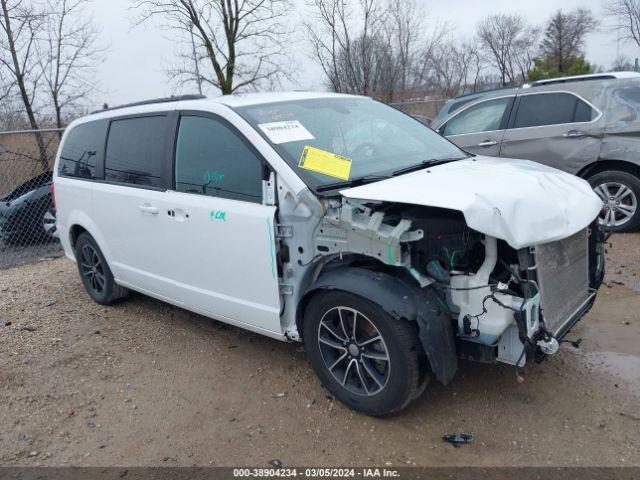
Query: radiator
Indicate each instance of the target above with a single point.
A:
(563, 278)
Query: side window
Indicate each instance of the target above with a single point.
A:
(551, 109)
(135, 151)
(483, 117)
(584, 112)
(625, 104)
(458, 105)
(81, 149)
(212, 160)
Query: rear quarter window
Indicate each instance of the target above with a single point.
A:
(81, 152)
(626, 105)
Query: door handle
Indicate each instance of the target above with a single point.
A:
(487, 143)
(573, 134)
(148, 209)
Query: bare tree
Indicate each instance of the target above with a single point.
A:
(6, 86)
(451, 66)
(524, 52)
(369, 47)
(621, 64)
(344, 47)
(626, 18)
(69, 55)
(20, 27)
(404, 28)
(565, 35)
(500, 36)
(238, 44)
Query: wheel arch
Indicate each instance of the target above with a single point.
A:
(77, 222)
(603, 165)
(74, 232)
(400, 299)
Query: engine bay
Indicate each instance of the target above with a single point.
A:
(486, 287)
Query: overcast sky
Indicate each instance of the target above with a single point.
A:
(136, 57)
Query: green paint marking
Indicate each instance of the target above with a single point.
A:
(390, 254)
(218, 215)
(213, 177)
(271, 247)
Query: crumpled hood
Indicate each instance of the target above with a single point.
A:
(519, 201)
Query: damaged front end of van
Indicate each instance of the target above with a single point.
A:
(481, 253)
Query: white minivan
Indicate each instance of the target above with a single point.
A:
(334, 220)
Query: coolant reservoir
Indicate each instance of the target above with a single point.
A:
(472, 295)
(468, 296)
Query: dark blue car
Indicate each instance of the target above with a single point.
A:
(27, 214)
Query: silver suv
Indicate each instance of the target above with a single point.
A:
(587, 128)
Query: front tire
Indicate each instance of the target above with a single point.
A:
(620, 195)
(95, 273)
(368, 360)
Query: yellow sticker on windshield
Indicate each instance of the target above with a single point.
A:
(324, 162)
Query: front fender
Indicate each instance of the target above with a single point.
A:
(402, 301)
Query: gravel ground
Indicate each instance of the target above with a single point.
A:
(144, 383)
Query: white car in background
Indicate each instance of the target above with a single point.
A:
(334, 220)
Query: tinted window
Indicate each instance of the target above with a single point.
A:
(212, 160)
(584, 112)
(483, 117)
(135, 151)
(551, 109)
(459, 104)
(81, 149)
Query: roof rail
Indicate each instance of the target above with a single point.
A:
(490, 90)
(582, 78)
(172, 98)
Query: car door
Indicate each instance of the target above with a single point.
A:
(219, 242)
(479, 128)
(127, 200)
(558, 129)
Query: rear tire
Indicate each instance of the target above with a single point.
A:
(46, 230)
(620, 195)
(374, 377)
(95, 273)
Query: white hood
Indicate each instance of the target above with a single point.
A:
(521, 202)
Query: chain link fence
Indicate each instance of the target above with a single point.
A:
(27, 214)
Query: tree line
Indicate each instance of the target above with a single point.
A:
(387, 49)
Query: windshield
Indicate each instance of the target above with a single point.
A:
(332, 140)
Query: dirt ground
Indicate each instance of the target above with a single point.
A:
(144, 383)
